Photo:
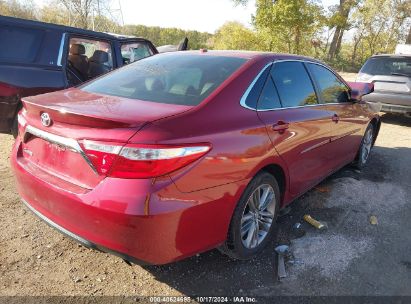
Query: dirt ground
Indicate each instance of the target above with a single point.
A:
(352, 257)
(348, 76)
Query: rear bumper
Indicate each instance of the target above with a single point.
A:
(79, 239)
(390, 102)
(390, 108)
(143, 221)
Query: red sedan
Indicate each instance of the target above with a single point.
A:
(180, 153)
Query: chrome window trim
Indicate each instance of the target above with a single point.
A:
(247, 92)
(60, 55)
(250, 87)
(297, 107)
(69, 143)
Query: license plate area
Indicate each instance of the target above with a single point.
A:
(58, 156)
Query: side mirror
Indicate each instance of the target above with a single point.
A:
(359, 89)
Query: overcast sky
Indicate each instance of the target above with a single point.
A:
(200, 15)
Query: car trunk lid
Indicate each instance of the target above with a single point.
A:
(393, 84)
(55, 147)
(78, 107)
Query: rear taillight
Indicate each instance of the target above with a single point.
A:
(140, 161)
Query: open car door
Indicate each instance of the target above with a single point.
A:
(182, 46)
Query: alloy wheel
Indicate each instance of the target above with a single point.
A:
(258, 216)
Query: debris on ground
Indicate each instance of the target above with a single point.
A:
(281, 250)
(373, 220)
(314, 222)
(298, 230)
(323, 189)
(295, 262)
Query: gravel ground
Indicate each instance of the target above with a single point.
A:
(351, 257)
(348, 76)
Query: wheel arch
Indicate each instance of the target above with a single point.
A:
(280, 175)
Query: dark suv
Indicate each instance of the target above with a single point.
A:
(391, 76)
(38, 57)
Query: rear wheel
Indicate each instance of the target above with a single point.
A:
(365, 147)
(254, 218)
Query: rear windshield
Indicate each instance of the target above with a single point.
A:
(168, 78)
(388, 66)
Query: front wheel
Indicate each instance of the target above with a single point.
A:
(254, 218)
(365, 148)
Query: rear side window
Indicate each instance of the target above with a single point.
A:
(172, 78)
(387, 66)
(332, 89)
(18, 44)
(293, 84)
(256, 88)
(269, 99)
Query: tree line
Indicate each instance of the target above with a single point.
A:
(344, 35)
(97, 15)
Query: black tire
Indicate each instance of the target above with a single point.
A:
(234, 245)
(367, 142)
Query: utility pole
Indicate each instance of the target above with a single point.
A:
(98, 8)
(92, 19)
(122, 17)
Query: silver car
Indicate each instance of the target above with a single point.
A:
(391, 76)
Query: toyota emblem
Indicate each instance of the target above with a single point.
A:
(45, 119)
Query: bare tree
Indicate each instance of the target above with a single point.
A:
(79, 11)
(82, 13)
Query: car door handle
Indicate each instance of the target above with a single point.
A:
(281, 126)
(336, 118)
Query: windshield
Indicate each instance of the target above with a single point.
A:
(168, 78)
(400, 66)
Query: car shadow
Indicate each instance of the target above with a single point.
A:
(396, 119)
(212, 273)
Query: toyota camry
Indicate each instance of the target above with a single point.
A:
(180, 153)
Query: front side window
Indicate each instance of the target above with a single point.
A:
(332, 89)
(135, 51)
(293, 84)
(172, 78)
